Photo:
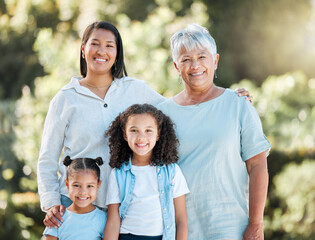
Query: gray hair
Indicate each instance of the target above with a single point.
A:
(191, 37)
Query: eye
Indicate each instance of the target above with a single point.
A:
(76, 185)
(90, 186)
(149, 130)
(185, 60)
(132, 130)
(109, 45)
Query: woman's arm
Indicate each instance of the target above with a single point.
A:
(258, 185)
(181, 218)
(48, 164)
(112, 227)
(49, 237)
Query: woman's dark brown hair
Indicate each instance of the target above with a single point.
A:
(118, 70)
(165, 150)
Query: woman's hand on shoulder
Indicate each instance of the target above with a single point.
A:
(243, 92)
(54, 213)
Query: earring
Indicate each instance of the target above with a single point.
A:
(115, 67)
(215, 75)
(83, 55)
(179, 80)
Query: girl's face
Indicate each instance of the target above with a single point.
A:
(82, 187)
(100, 52)
(141, 133)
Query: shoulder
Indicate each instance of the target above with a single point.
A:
(66, 91)
(165, 104)
(128, 81)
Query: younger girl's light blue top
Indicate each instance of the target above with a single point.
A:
(216, 138)
(80, 226)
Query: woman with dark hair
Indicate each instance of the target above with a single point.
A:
(81, 112)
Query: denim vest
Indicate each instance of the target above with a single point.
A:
(126, 182)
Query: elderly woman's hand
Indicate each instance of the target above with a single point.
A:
(54, 213)
(254, 232)
(244, 92)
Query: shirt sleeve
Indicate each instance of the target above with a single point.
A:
(48, 162)
(179, 183)
(50, 231)
(253, 140)
(112, 195)
(152, 96)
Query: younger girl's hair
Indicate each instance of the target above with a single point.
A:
(165, 149)
(79, 164)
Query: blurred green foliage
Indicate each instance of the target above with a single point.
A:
(40, 46)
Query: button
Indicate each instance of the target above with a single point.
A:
(167, 226)
(164, 209)
(159, 175)
(162, 192)
(105, 105)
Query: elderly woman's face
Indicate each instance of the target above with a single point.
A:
(197, 67)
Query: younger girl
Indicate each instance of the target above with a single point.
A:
(146, 191)
(81, 220)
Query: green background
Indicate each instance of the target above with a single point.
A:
(265, 46)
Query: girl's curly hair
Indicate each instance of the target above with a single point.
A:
(165, 149)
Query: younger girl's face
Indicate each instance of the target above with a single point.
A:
(141, 133)
(82, 186)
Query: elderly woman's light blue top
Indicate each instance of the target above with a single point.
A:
(216, 138)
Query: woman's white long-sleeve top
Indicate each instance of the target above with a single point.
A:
(75, 125)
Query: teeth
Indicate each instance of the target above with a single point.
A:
(141, 145)
(100, 59)
(83, 198)
(197, 74)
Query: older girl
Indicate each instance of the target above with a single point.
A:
(146, 193)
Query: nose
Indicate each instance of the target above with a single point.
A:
(83, 190)
(101, 50)
(194, 64)
(141, 135)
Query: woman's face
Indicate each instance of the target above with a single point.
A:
(100, 52)
(197, 67)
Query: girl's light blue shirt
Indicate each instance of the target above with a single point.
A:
(80, 226)
(216, 138)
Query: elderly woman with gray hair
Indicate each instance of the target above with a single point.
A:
(223, 150)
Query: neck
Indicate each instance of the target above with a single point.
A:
(198, 96)
(98, 81)
(140, 160)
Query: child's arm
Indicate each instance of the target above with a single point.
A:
(181, 218)
(112, 227)
(49, 237)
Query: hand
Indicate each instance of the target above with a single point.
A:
(244, 92)
(254, 232)
(54, 213)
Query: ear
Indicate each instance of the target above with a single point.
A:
(216, 61)
(82, 50)
(125, 136)
(177, 68)
(99, 184)
(67, 184)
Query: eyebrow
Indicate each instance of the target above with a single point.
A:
(95, 39)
